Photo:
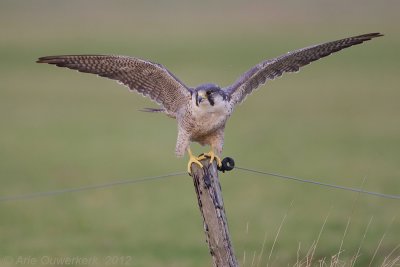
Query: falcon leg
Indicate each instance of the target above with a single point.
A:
(193, 159)
(212, 156)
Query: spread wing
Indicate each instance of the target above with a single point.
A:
(290, 62)
(149, 79)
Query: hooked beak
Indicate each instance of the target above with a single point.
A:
(200, 97)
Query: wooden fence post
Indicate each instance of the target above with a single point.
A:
(209, 196)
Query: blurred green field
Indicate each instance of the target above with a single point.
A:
(337, 121)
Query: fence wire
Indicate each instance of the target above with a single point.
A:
(293, 178)
(89, 187)
(152, 178)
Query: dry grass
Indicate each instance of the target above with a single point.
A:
(389, 261)
(308, 259)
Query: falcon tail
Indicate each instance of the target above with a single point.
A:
(157, 110)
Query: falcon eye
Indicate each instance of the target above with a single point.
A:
(208, 93)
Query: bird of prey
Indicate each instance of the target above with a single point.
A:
(201, 112)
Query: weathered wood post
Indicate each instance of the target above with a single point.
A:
(209, 196)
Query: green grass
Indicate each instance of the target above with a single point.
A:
(337, 121)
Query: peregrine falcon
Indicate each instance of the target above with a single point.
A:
(201, 112)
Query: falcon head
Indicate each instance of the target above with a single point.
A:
(209, 95)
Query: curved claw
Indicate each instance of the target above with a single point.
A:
(192, 160)
(212, 156)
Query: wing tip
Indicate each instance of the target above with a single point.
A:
(62, 58)
(50, 59)
(43, 59)
(369, 36)
(375, 34)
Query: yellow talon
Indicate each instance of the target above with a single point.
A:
(193, 159)
(212, 156)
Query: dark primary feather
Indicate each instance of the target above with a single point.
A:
(290, 62)
(150, 79)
